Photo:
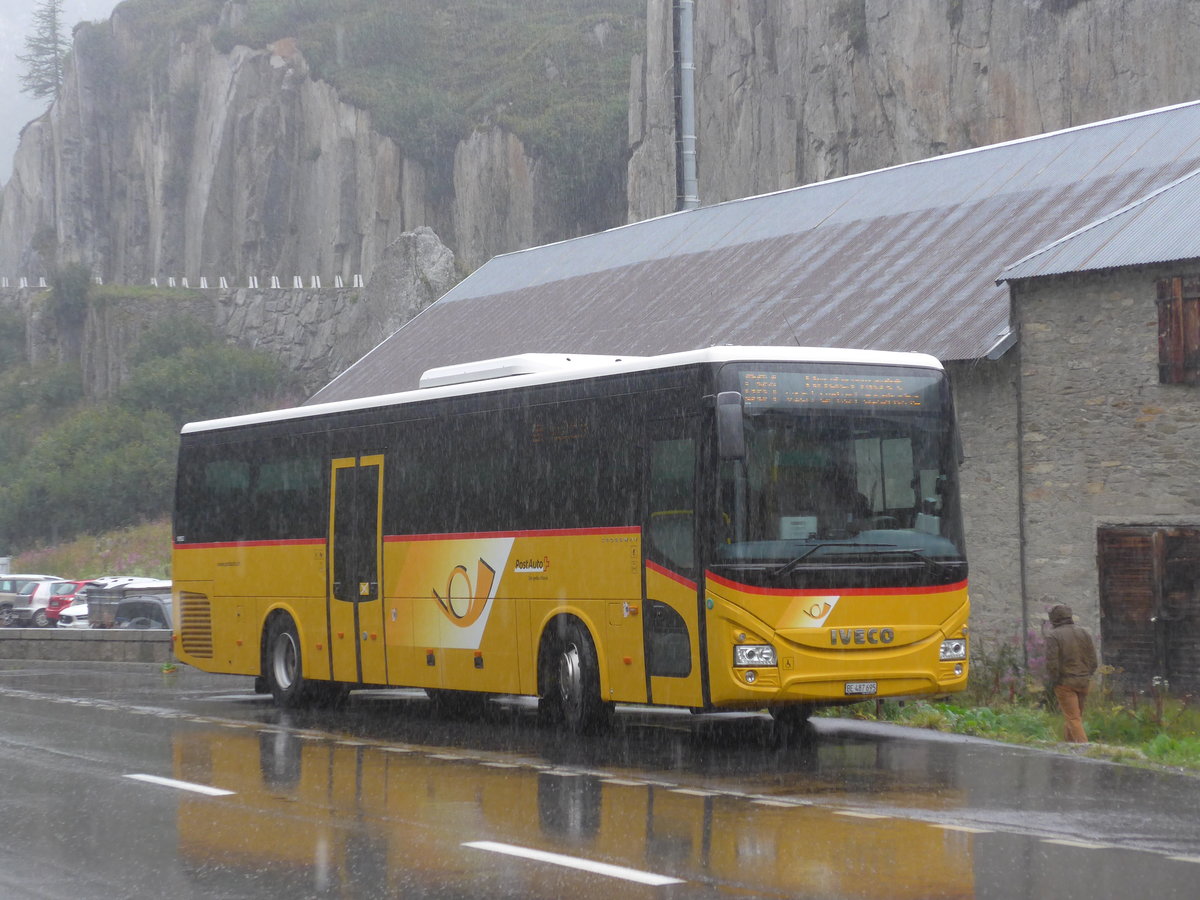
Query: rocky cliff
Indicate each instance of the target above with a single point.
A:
(790, 93)
(171, 157)
(241, 164)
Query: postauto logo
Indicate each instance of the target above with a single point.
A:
(464, 601)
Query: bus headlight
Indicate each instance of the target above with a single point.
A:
(754, 655)
(953, 649)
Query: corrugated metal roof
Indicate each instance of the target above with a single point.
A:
(1153, 229)
(905, 258)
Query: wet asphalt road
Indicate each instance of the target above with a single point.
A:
(123, 781)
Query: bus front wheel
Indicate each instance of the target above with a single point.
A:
(570, 679)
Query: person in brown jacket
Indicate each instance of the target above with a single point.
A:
(1070, 664)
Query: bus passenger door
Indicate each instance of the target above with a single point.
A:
(670, 620)
(355, 550)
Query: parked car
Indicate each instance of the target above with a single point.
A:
(63, 594)
(106, 594)
(74, 616)
(144, 611)
(29, 607)
(10, 589)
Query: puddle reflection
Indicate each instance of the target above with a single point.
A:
(339, 817)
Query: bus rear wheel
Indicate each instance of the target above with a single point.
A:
(570, 679)
(283, 663)
(283, 667)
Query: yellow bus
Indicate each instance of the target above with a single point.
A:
(722, 529)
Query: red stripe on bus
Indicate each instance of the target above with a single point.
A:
(841, 592)
(667, 573)
(294, 542)
(475, 535)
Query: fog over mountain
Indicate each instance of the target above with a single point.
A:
(16, 108)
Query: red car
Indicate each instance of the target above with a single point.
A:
(62, 595)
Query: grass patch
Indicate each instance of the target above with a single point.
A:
(1007, 701)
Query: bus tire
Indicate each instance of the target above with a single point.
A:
(283, 663)
(570, 679)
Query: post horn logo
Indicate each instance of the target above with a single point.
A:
(463, 603)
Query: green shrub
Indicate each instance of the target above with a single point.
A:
(170, 337)
(12, 338)
(101, 468)
(207, 382)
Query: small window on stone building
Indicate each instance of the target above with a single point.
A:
(1179, 330)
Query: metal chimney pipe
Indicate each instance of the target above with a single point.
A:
(685, 13)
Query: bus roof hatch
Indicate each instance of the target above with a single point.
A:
(521, 364)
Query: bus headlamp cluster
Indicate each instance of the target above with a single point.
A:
(754, 655)
(953, 649)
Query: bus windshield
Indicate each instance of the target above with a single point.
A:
(849, 480)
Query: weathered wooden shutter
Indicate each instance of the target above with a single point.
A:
(1150, 605)
(1180, 611)
(1179, 330)
(1128, 602)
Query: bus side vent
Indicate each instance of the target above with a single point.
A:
(195, 625)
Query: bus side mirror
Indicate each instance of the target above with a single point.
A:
(731, 437)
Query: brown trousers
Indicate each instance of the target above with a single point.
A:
(1071, 701)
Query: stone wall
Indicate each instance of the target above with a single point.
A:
(1102, 441)
(315, 332)
(985, 397)
(87, 645)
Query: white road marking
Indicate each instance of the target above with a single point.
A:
(182, 785)
(1191, 859)
(573, 862)
(858, 815)
(963, 828)
(783, 804)
(1087, 845)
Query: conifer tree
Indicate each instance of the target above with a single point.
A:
(47, 46)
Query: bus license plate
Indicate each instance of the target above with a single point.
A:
(860, 687)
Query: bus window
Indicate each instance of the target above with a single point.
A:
(671, 521)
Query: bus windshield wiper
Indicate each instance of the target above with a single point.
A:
(789, 567)
(942, 570)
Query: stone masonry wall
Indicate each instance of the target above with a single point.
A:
(986, 402)
(1102, 442)
(315, 332)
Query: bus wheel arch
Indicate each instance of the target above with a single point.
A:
(569, 688)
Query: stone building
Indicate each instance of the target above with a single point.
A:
(1039, 271)
(1108, 426)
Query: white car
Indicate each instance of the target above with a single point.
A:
(29, 607)
(74, 616)
(11, 587)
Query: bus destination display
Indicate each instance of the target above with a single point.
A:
(834, 390)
